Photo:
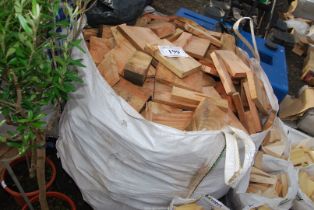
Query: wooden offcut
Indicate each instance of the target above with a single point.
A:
(139, 36)
(197, 47)
(191, 82)
(162, 94)
(136, 68)
(196, 98)
(233, 63)
(182, 66)
(98, 48)
(132, 94)
(167, 115)
(106, 32)
(228, 42)
(223, 74)
(162, 28)
(175, 35)
(183, 39)
(208, 116)
(252, 114)
(89, 32)
(261, 101)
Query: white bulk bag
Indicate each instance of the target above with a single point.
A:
(240, 199)
(121, 161)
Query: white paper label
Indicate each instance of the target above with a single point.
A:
(172, 51)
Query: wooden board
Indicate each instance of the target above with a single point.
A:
(233, 63)
(162, 94)
(182, 66)
(116, 59)
(183, 39)
(261, 101)
(197, 47)
(139, 36)
(98, 48)
(240, 109)
(209, 117)
(275, 149)
(167, 115)
(252, 114)
(162, 28)
(208, 80)
(136, 68)
(106, 32)
(262, 179)
(110, 42)
(149, 86)
(193, 23)
(228, 42)
(133, 94)
(109, 69)
(175, 36)
(198, 31)
(196, 98)
(251, 85)
(88, 32)
(191, 82)
(223, 74)
(210, 69)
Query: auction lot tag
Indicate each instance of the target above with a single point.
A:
(172, 51)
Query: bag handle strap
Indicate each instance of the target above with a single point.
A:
(236, 31)
(234, 171)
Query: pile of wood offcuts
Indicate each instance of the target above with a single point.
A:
(209, 89)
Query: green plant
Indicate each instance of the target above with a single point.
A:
(36, 70)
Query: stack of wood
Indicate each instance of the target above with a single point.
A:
(211, 88)
(302, 155)
(274, 144)
(268, 185)
(306, 183)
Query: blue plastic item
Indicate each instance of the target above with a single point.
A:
(273, 62)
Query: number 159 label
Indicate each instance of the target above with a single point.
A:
(172, 51)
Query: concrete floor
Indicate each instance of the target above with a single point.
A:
(294, 62)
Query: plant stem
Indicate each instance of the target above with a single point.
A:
(41, 157)
(33, 163)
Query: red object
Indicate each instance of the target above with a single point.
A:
(57, 195)
(16, 195)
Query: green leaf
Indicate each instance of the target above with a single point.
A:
(10, 52)
(77, 62)
(13, 144)
(24, 24)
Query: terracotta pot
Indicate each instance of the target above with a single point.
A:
(16, 195)
(57, 195)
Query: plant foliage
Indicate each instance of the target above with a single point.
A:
(36, 67)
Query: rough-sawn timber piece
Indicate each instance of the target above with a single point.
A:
(136, 68)
(191, 82)
(132, 94)
(196, 98)
(167, 115)
(162, 94)
(197, 47)
(139, 36)
(233, 63)
(98, 48)
(223, 74)
(162, 28)
(182, 66)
